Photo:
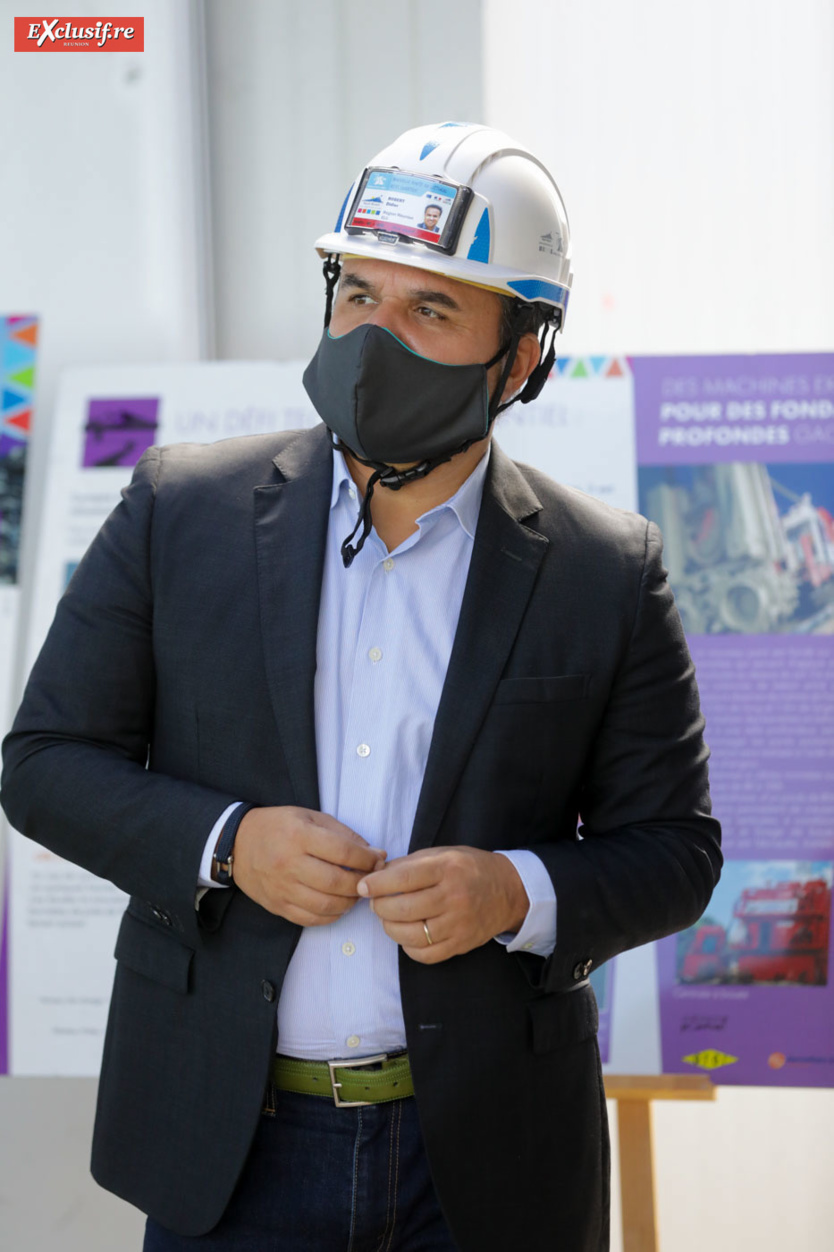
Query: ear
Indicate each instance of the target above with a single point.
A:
(527, 358)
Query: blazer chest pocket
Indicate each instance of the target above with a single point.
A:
(560, 1020)
(153, 954)
(542, 690)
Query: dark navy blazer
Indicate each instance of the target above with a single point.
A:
(178, 677)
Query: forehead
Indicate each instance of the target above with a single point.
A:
(391, 278)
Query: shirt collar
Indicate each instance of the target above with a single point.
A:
(465, 503)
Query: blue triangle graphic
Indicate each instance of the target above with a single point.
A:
(435, 143)
(479, 247)
(563, 362)
(15, 356)
(597, 362)
(11, 399)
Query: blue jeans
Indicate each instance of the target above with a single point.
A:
(327, 1179)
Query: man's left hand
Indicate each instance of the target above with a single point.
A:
(465, 897)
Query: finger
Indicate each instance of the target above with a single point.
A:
(404, 874)
(338, 849)
(431, 955)
(413, 934)
(328, 878)
(318, 904)
(302, 917)
(327, 822)
(411, 906)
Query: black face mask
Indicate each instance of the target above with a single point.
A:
(386, 405)
(389, 405)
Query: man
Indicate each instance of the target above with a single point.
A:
(431, 217)
(351, 703)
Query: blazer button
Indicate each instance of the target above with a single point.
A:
(581, 970)
(162, 916)
(268, 991)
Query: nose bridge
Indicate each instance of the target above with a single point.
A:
(389, 313)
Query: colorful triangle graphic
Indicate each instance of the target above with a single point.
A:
(563, 362)
(26, 378)
(579, 370)
(11, 399)
(615, 370)
(29, 334)
(22, 420)
(597, 362)
(15, 356)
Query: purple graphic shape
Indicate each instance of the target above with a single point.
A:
(4, 979)
(119, 431)
(769, 707)
(8, 445)
(697, 410)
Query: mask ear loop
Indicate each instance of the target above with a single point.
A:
(540, 374)
(364, 520)
(331, 269)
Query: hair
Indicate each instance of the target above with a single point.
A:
(527, 320)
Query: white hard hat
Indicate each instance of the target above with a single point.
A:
(502, 222)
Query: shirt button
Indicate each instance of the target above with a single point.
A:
(352, 492)
(388, 564)
(363, 750)
(353, 1041)
(375, 654)
(527, 946)
(348, 948)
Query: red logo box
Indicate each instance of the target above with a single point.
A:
(79, 34)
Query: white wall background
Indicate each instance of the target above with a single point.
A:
(103, 233)
(301, 96)
(694, 148)
(694, 145)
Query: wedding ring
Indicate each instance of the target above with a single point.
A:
(429, 939)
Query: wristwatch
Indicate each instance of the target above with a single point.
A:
(223, 859)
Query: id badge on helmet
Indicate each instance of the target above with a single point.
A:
(398, 206)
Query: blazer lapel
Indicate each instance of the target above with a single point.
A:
(290, 533)
(505, 561)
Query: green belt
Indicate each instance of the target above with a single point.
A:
(349, 1083)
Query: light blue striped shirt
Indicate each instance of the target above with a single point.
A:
(385, 634)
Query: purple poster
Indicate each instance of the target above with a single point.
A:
(119, 431)
(736, 465)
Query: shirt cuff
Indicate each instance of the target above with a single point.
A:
(538, 933)
(205, 879)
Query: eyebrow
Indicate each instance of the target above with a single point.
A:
(423, 295)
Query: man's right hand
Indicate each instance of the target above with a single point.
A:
(301, 864)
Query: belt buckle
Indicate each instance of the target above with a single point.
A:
(357, 1064)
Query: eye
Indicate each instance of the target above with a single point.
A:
(360, 297)
(427, 311)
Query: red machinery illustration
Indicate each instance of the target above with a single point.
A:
(778, 934)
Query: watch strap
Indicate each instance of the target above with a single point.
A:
(222, 861)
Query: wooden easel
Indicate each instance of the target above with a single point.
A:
(634, 1121)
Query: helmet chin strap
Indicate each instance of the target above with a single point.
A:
(388, 475)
